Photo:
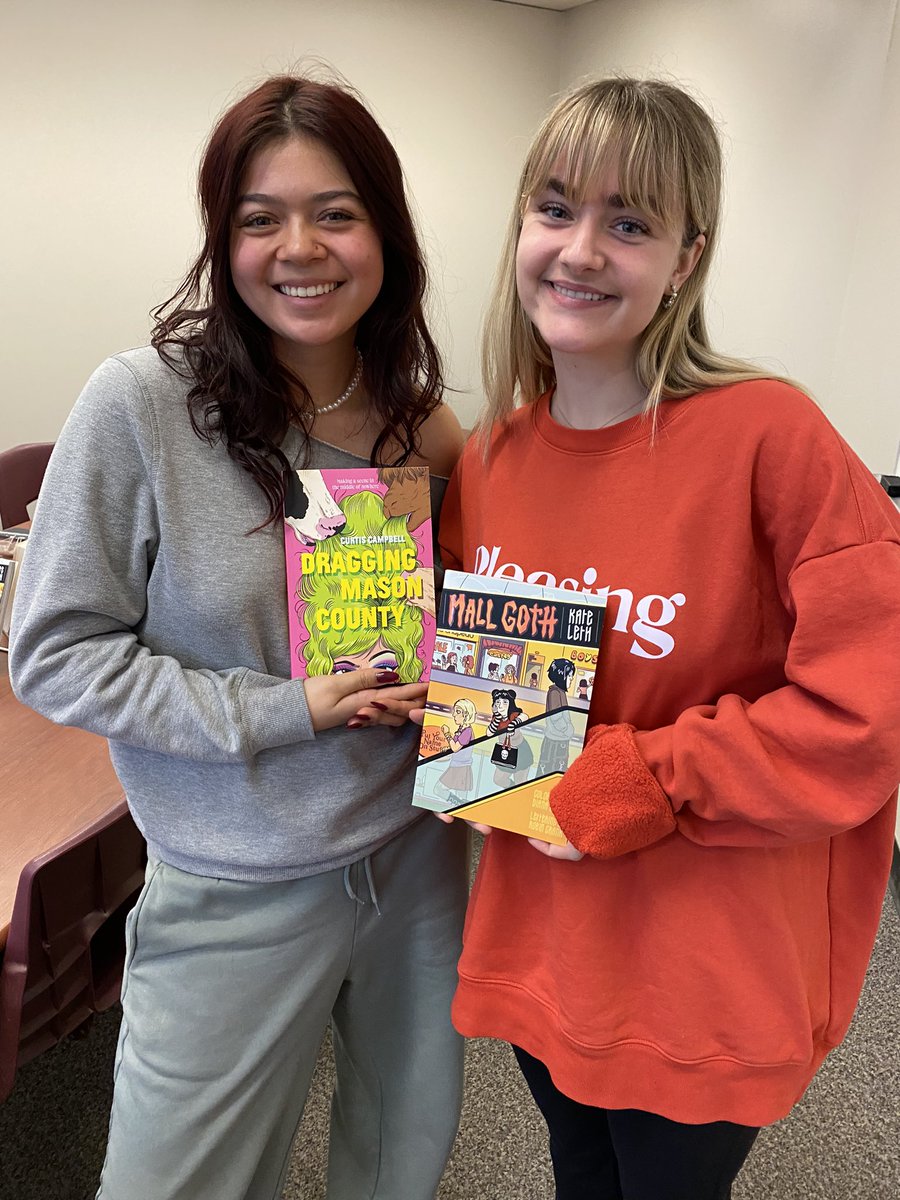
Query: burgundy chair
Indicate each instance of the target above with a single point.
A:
(66, 948)
(21, 475)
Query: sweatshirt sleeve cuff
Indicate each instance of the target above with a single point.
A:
(608, 803)
(275, 715)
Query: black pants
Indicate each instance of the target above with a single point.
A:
(624, 1154)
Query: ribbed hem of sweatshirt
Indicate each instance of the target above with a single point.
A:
(632, 1074)
(279, 873)
(275, 716)
(608, 803)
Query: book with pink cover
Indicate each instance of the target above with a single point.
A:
(360, 571)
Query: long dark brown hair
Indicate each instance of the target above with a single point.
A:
(241, 392)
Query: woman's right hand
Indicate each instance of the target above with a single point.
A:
(335, 700)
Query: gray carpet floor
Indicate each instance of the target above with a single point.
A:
(842, 1142)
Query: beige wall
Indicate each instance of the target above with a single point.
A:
(105, 103)
(809, 102)
(866, 381)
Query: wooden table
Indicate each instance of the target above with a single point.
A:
(55, 782)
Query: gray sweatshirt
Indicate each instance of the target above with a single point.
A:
(146, 614)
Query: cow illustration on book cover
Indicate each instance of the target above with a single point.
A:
(498, 737)
(359, 562)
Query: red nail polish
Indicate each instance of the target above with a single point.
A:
(387, 676)
(375, 704)
(356, 722)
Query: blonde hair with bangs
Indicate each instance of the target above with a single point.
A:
(665, 150)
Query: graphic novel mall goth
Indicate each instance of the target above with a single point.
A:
(512, 677)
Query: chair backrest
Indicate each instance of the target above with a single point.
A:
(21, 475)
(66, 948)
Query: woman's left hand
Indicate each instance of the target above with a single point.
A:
(394, 706)
(567, 851)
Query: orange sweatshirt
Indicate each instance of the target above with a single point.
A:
(736, 794)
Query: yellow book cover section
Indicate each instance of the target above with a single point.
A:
(512, 676)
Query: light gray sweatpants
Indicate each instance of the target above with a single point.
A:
(228, 991)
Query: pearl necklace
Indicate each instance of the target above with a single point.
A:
(563, 420)
(348, 390)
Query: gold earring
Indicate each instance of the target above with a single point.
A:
(668, 301)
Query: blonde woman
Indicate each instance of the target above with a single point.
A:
(675, 973)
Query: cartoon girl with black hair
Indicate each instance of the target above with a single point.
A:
(505, 712)
(558, 728)
(506, 717)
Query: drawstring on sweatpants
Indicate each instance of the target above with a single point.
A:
(370, 881)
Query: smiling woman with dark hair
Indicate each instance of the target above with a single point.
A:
(290, 881)
(244, 386)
